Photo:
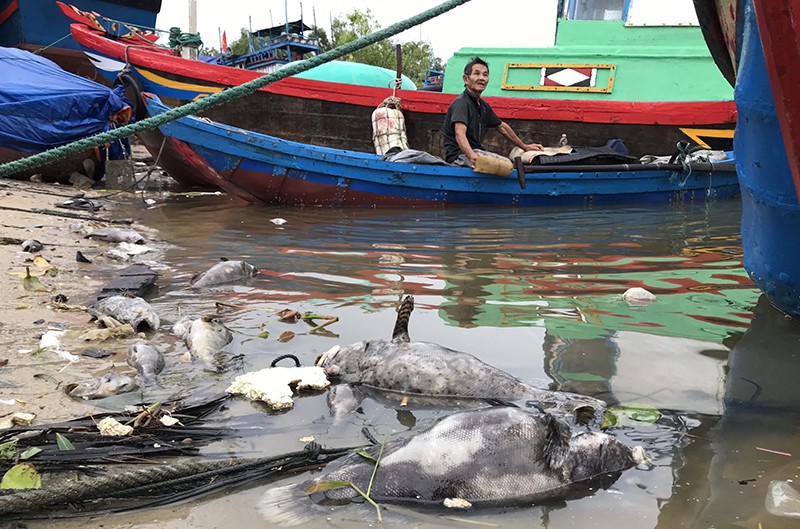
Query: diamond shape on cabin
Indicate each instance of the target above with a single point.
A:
(567, 77)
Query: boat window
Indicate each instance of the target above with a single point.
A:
(598, 9)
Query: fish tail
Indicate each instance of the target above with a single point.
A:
(287, 506)
(400, 332)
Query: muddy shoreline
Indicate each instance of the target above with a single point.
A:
(32, 380)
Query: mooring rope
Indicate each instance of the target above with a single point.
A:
(289, 70)
(161, 478)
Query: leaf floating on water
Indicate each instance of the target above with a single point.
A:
(263, 334)
(324, 486)
(31, 283)
(637, 412)
(22, 476)
(289, 315)
(63, 443)
(609, 420)
(30, 452)
(286, 336)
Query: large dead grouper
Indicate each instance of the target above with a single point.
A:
(489, 457)
(429, 369)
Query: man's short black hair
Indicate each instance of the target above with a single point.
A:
(472, 62)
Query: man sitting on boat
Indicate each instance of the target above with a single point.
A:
(469, 118)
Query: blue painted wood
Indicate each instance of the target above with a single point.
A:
(341, 177)
(770, 210)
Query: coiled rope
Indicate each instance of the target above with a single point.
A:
(291, 69)
(178, 38)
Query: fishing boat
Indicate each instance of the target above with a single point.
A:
(755, 42)
(44, 107)
(40, 26)
(266, 169)
(336, 113)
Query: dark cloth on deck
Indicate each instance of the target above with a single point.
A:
(476, 114)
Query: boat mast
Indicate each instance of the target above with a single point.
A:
(193, 26)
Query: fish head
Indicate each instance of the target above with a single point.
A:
(334, 361)
(101, 387)
(595, 453)
(248, 270)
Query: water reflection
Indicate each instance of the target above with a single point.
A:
(533, 292)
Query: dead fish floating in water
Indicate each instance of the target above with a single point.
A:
(101, 387)
(205, 337)
(428, 369)
(488, 457)
(133, 310)
(224, 272)
(147, 360)
(116, 235)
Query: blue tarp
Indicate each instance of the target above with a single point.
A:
(43, 106)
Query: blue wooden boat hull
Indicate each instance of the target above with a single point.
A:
(770, 210)
(266, 169)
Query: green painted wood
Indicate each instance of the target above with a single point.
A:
(656, 63)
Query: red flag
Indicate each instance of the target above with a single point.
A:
(224, 42)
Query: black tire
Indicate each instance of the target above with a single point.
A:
(133, 91)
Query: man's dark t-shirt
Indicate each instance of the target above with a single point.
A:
(478, 117)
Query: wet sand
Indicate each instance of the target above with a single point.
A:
(32, 380)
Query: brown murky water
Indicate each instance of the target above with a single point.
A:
(535, 292)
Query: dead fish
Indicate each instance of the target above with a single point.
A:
(489, 457)
(133, 310)
(430, 369)
(223, 272)
(145, 358)
(101, 387)
(32, 246)
(205, 338)
(116, 235)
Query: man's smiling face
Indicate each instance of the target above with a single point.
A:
(477, 80)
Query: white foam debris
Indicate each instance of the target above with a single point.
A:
(113, 428)
(278, 221)
(640, 457)
(272, 385)
(457, 503)
(638, 296)
(18, 418)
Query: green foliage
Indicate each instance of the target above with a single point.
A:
(63, 443)
(417, 56)
(22, 476)
(322, 36)
(241, 45)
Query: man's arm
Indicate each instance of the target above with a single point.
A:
(506, 130)
(463, 143)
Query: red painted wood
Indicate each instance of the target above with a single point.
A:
(6, 13)
(779, 26)
(619, 112)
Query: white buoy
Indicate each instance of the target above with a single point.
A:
(638, 296)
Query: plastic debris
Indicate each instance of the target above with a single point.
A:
(782, 500)
(638, 296)
(272, 385)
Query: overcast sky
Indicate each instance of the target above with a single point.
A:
(520, 23)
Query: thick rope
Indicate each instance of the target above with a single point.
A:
(289, 70)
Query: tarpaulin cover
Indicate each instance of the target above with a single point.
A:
(43, 106)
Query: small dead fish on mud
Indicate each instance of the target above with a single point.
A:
(425, 368)
(101, 387)
(223, 272)
(32, 246)
(116, 235)
(486, 458)
(147, 360)
(206, 336)
(133, 310)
